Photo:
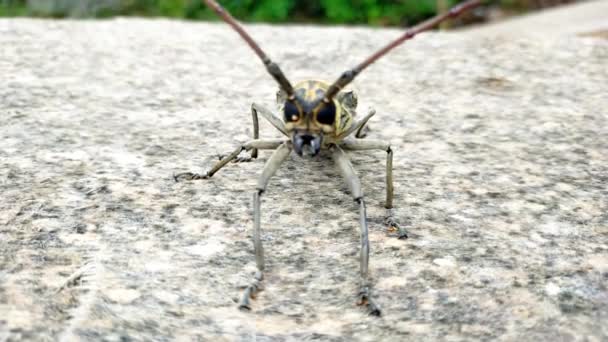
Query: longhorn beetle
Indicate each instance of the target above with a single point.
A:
(317, 116)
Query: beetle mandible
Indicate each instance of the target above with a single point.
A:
(317, 116)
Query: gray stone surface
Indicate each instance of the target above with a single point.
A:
(501, 165)
(585, 17)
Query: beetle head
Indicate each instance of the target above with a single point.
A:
(307, 117)
(308, 121)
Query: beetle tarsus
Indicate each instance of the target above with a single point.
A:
(251, 291)
(365, 299)
(239, 159)
(362, 132)
(393, 226)
(243, 159)
(189, 176)
(245, 305)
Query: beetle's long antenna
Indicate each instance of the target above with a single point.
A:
(271, 66)
(350, 75)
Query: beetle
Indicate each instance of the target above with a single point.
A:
(317, 116)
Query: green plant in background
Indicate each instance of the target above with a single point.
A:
(272, 10)
(339, 10)
(378, 12)
(373, 12)
(12, 8)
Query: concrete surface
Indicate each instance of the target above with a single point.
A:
(582, 18)
(501, 164)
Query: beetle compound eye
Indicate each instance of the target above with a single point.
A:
(327, 114)
(291, 112)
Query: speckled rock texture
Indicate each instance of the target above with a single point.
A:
(501, 171)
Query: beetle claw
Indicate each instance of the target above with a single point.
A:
(242, 160)
(189, 176)
(394, 227)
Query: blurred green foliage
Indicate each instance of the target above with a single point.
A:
(374, 12)
(378, 12)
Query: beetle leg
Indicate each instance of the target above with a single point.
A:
(362, 132)
(256, 129)
(390, 218)
(360, 145)
(364, 129)
(357, 126)
(271, 167)
(239, 159)
(269, 144)
(275, 121)
(256, 285)
(348, 173)
(271, 118)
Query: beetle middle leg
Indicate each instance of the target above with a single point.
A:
(347, 171)
(269, 144)
(271, 167)
(363, 145)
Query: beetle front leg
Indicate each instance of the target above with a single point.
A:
(271, 167)
(269, 144)
(256, 285)
(354, 185)
(364, 289)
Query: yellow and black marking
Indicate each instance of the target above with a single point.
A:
(308, 110)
